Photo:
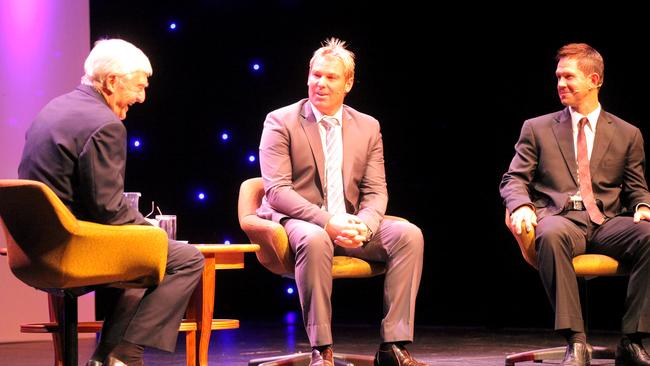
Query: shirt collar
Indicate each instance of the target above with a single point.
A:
(338, 115)
(592, 117)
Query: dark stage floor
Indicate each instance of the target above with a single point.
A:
(255, 339)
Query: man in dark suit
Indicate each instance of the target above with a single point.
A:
(323, 168)
(77, 146)
(578, 176)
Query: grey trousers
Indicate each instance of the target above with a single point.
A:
(399, 244)
(151, 317)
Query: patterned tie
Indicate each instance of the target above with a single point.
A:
(333, 164)
(584, 175)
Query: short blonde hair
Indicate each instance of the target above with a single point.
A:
(114, 56)
(338, 48)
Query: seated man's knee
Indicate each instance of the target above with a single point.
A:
(198, 259)
(315, 242)
(411, 236)
(189, 256)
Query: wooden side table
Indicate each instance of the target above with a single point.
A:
(201, 306)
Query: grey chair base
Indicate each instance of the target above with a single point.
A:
(303, 359)
(555, 353)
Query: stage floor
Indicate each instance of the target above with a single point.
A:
(446, 346)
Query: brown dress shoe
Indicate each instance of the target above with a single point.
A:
(577, 354)
(125, 354)
(396, 356)
(112, 361)
(631, 354)
(325, 358)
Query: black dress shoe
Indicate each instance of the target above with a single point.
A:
(631, 354)
(110, 361)
(396, 356)
(577, 354)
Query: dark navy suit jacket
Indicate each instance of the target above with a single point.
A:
(77, 146)
(544, 169)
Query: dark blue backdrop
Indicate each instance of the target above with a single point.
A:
(451, 89)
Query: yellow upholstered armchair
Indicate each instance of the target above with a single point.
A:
(275, 254)
(586, 266)
(49, 249)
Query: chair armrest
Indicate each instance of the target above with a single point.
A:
(275, 253)
(526, 241)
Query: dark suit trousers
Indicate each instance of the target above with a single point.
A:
(397, 243)
(560, 238)
(151, 317)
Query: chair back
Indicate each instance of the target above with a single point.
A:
(585, 265)
(48, 248)
(275, 253)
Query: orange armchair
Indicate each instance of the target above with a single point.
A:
(585, 266)
(275, 254)
(49, 249)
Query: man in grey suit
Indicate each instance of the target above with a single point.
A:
(322, 163)
(77, 146)
(578, 175)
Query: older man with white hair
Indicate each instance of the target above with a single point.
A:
(77, 146)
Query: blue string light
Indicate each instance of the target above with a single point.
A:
(172, 25)
(291, 317)
(201, 196)
(225, 136)
(252, 158)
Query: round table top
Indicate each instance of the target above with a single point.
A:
(226, 248)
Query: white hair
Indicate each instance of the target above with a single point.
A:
(114, 56)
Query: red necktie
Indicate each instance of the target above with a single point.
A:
(584, 175)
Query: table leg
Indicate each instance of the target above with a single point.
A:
(192, 314)
(206, 314)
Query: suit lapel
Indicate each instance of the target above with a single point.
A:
(310, 126)
(349, 130)
(604, 135)
(564, 136)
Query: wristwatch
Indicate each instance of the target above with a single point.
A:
(368, 236)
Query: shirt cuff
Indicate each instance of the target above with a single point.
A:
(636, 208)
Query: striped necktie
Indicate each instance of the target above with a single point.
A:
(334, 165)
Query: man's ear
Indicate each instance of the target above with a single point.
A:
(348, 85)
(596, 80)
(110, 83)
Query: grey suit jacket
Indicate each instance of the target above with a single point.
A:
(543, 171)
(292, 162)
(77, 146)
